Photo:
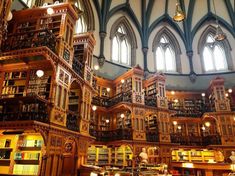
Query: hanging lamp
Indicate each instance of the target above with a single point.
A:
(219, 35)
(179, 14)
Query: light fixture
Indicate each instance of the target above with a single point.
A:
(203, 128)
(39, 73)
(9, 16)
(174, 122)
(107, 120)
(176, 100)
(234, 118)
(226, 94)
(122, 81)
(96, 67)
(179, 14)
(179, 127)
(230, 90)
(50, 11)
(172, 92)
(94, 108)
(219, 35)
(122, 115)
(203, 94)
(108, 89)
(208, 124)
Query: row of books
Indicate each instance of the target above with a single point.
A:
(15, 75)
(5, 143)
(25, 169)
(31, 143)
(33, 107)
(13, 90)
(26, 156)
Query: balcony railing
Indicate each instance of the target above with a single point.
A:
(118, 134)
(152, 136)
(214, 139)
(24, 108)
(36, 38)
(150, 101)
(108, 102)
(72, 121)
(78, 67)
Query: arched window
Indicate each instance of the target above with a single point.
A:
(165, 56)
(215, 55)
(121, 47)
(81, 24)
(123, 43)
(166, 52)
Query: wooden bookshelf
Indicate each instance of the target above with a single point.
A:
(39, 86)
(102, 155)
(28, 155)
(91, 155)
(14, 84)
(193, 155)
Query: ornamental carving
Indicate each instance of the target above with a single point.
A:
(68, 147)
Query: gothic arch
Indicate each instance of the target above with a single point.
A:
(224, 44)
(173, 42)
(130, 36)
(89, 16)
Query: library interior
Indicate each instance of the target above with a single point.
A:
(117, 87)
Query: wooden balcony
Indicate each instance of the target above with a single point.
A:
(152, 136)
(30, 39)
(150, 101)
(214, 139)
(72, 121)
(112, 135)
(108, 102)
(24, 108)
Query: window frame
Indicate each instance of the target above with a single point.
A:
(202, 43)
(174, 47)
(130, 39)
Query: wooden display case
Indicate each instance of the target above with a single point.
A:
(194, 155)
(106, 156)
(20, 154)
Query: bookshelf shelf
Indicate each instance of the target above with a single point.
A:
(29, 161)
(30, 148)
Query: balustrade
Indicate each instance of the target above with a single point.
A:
(30, 39)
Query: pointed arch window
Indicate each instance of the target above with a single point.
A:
(81, 23)
(121, 52)
(123, 42)
(166, 52)
(165, 56)
(214, 56)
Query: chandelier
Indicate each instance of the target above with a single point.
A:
(219, 35)
(179, 14)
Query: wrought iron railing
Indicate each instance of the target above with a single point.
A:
(24, 108)
(108, 102)
(152, 136)
(150, 101)
(30, 39)
(112, 135)
(214, 139)
(72, 121)
(78, 67)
